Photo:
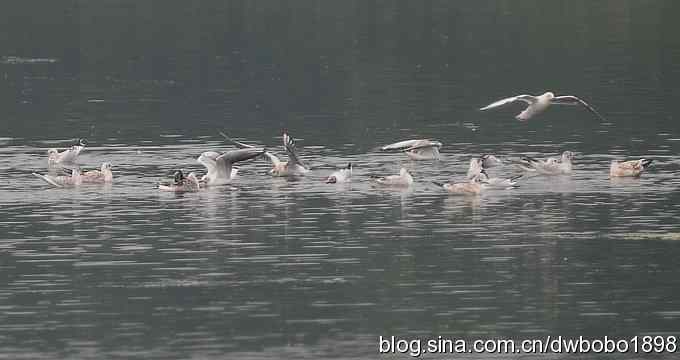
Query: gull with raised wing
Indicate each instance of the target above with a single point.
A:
(182, 183)
(549, 166)
(538, 104)
(62, 181)
(220, 166)
(340, 176)
(632, 168)
(293, 167)
(102, 176)
(477, 171)
(416, 149)
(404, 179)
(67, 156)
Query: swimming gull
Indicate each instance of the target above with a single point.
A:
(632, 168)
(340, 176)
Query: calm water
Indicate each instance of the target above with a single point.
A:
(303, 270)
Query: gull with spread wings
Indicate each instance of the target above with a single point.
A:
(538, 104)
(220, 166)
(293, 167)
(417, 149)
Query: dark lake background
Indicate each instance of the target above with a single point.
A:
(297, 269)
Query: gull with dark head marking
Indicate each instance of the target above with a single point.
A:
(102, 176)
(220, 166)
(404, 179)
(340, 176)
(67, 156)
(632, 168)
(293, 167)
(62, 181)
(550, 166)
(416, 149)
(181, 183)
(538, 104)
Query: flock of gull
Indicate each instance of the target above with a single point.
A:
(221, 169)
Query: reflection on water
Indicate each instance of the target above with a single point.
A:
(296, 268)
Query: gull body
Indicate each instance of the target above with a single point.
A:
(182, 183)
(472, 187)
(102, 176)
(416, 149)
(549, 166)
(340, 176)
(62, 181)
(404, 179)
(540, 103)
(220, 166)
(632, 168)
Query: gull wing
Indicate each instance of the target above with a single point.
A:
(424, 144)
(529, 99)
(573, 100)
(273, 158)
(226, 160)
(401, 145)
(289, 144)
(47, 179)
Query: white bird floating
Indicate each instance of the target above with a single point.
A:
(632, 168)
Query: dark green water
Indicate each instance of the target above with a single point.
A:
(297, 269)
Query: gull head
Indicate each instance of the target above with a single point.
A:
(404, 172)
(567, 156)
(106, 166)
(549, 95)
(52, 154)
(489, 161)
(81, 142)
(178, 177)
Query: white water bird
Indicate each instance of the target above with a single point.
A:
(538, 104)
(102, 176)
(67, 156)
(293, 167)
(471, 187)
(220, 166)
(416, 149)
(181, 183)
(340, 176)
(549, 166)
(478, 172)
(404, 179)
(62, 181)
(632, 168)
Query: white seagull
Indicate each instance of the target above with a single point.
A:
(293, 167)
(471, 187)
(181, 183)
(477, 171)
(102, 176)
(67, 156)
(549, 166)
(220, 166)
(404, 179)
(61, 181)
(632, 168)
(340, 176)
(538, 104)
(416, 149)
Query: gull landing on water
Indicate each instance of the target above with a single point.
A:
(220, 166)
(632, 168)
(418, 149)
(293, 167)
(340, 176)
(538, 104)
(67, 156)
